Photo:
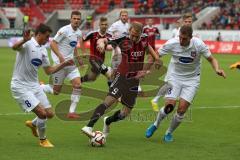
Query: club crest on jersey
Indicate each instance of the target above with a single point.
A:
(36, 62)
(73, 43)
(193, 54)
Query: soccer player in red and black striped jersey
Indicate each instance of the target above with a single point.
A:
(96, 58)
(152, 32)
(131, 69)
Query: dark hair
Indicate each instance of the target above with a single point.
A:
(75, 13)
(42, 28)
(186, 30)
(103, 19)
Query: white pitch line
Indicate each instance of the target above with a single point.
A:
(136, 109)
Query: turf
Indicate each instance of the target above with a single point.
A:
(210, 131)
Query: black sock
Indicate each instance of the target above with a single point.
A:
(99, 111)
(84, 78)
(109, 83)
(114, 118)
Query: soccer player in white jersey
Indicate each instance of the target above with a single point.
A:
(117, 29)
(186, 21)
(25, 86)
(64, 47)
(184, 76)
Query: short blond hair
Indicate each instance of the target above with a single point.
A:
(123, 11)
(138, 27)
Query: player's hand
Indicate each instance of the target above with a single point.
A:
(142, 74)
(158, 63)
(221, 72)
(27, 35)
(79, 61)
(235, 65)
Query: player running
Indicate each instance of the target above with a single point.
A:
(25, 87)
(184, 76)
(96, 58)
(64, 47)
(130, 70)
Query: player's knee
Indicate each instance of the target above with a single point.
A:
(56, 90)
(169, 108)
(42, 114)
(77, 85)
(50, 115)
(181, 111)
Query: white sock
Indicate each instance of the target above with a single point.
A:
(161, 115)
(47, 88)
(75, 99)
(41, 126)
(139, 88)
(156, 98)
(34, 121)
(176, 120)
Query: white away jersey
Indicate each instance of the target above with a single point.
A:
(186, 61)
(67, 40)
(118, 28)
(28, 60)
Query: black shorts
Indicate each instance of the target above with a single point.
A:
(125, 88)
(97, 66)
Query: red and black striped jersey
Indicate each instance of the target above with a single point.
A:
(151, 32)
(94, 36)
(132, 54)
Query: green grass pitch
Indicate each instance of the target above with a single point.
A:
(210, 131)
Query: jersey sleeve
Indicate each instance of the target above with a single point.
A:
(45, 59)
(61, 34)
(166, 48)
(115, 41)
(203, 49)
(88, 36)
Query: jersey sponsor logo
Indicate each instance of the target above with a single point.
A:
(186, 59)
(73, 43)
(36, 62)
(137, 54)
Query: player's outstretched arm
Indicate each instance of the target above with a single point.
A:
(26, 37)
(157, 60)
(83, 49)
(54, 47)
(213, 61)
(53, 69)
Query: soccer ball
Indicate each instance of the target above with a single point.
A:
(98, 139)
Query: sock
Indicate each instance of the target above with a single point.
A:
(161, 115)
(109, 83)
(47, 88)
(74, 99)
(41, 126)
(176, 120)
(139, 88)
(34, 121)
(84, 78)
(99, 111)
(115, 117)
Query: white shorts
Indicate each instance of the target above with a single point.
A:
(28, 98)
(183, 89)
(70, 72)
